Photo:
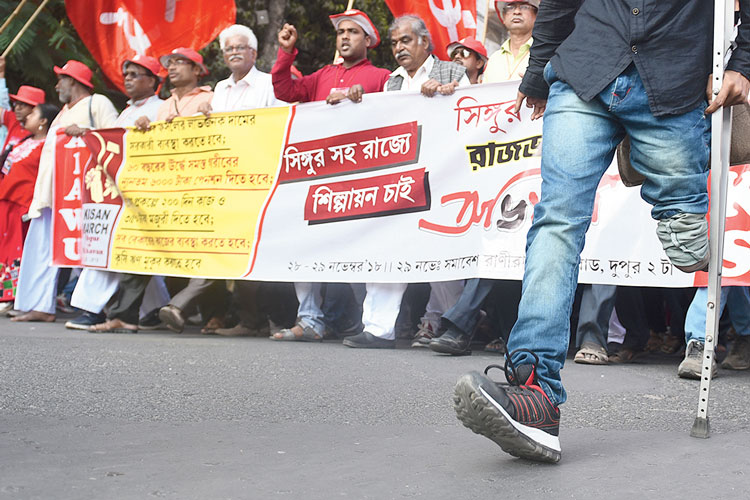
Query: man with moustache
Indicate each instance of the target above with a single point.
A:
(185, 68)
(247, 87)
(419, 69)
(511, 60)
(95, 287)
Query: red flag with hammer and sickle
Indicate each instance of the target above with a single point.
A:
(115, 30)
(447, 20)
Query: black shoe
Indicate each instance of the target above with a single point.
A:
(453, 341)
(151, 321)
(518, 416)
(86, 320)
(367, 340)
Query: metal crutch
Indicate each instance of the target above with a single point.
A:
(721, 131)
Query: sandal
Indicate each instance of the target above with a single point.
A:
(307, 335)
(114, 326)
(213, 324)
(624, 355)
(591, 354)
(497, 345)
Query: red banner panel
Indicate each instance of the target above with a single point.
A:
(390, 194)
(349, 153)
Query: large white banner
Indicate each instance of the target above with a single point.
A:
(403, 187)
(397, 188)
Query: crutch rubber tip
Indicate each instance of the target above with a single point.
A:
(700, 428)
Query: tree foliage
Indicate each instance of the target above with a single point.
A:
(51, 40)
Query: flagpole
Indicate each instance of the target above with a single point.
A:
(721, 131)
(13, 14)
(486, 20)
(336, 54)
(25, 27)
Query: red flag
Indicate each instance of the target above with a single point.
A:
(447, 20)
(115, 30)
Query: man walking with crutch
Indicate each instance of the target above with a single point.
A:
(601, 69)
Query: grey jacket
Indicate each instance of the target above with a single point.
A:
(442, 71)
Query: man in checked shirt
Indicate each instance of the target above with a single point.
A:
(600, 69)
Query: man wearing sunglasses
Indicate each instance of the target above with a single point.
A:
(95, 287)
(510, 61)
(472, 55)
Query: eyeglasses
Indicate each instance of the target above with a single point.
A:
(461, 51)
(132, 74)
(235, 48)
(179, 61)
(510, 7)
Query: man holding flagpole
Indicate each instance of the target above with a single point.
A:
(599, 70)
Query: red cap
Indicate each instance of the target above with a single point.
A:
(29, 95)
(187, 53)
(499, 4)
(150, 63)
(362, 20)
(470, 43)
(77, 71)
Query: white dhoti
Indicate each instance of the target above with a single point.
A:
(381, 307)
(37, 278)
(94, 289)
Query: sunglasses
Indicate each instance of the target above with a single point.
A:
(510, 7)
(461, 51)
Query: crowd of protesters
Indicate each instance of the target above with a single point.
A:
(611, 324)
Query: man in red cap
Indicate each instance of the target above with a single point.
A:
(511, 60)
(185, 69)
(471, 54)
(95, 288)
(23, 102)
(82, 110)
(356, 75)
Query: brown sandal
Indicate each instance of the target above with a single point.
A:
(591, 354)
(213, 324)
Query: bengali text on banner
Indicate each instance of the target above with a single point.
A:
(397, 188)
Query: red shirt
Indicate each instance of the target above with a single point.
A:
(318, 86)
(15, 131)
(18, 185)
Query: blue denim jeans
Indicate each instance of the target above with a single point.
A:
(738, 300)
(579, 141)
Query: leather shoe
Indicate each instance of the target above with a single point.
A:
(453, 341)
(367, 340)
(172, 317)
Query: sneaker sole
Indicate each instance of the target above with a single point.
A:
(77, 326)
(692, 373)
(484, 416)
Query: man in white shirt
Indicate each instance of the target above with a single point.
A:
(419, 69)
(246, 87)
(95, 288)
(83, 109)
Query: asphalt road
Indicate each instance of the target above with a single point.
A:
(92, 416)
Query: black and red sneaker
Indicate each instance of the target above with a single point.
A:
(518, 416)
